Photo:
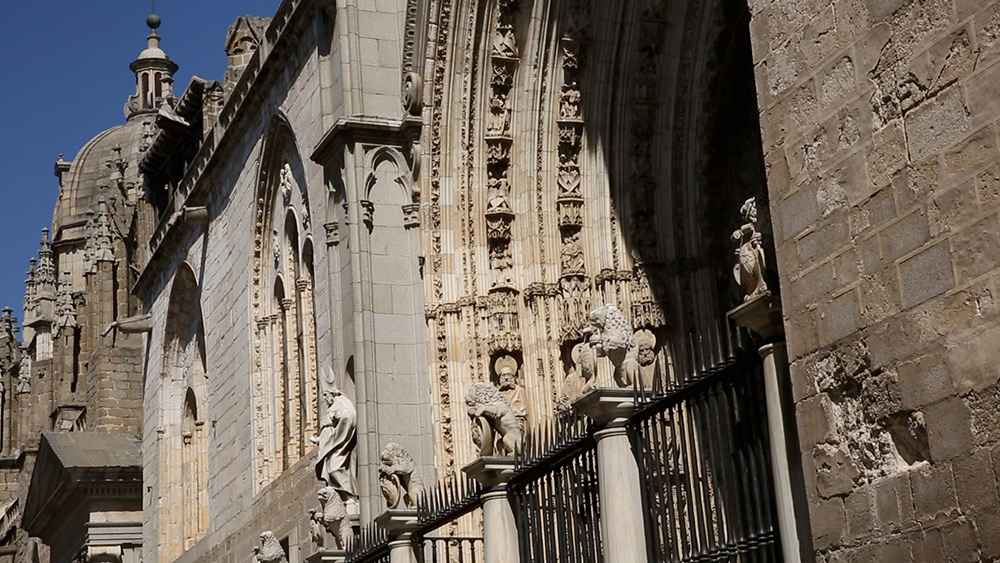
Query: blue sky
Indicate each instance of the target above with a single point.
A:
(64, 77)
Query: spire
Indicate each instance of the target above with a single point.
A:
(29, 288)
(154, 75)
(46, 274)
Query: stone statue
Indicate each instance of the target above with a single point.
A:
(749, 272)
(616, 341)
(492, 418)
(316, 527)
(270, 550)
(24, 380)
(335, 462)
(646, 342)
(580, 379)
(398, 478)
(285, 181)
(510, 386)
(571, 256)
(332, 515)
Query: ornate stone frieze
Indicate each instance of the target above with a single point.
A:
(65, 308)
(499, 217)
(575, 291)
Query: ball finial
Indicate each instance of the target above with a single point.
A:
(153, 21)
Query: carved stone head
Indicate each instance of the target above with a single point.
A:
(749, 210)
(506, 368)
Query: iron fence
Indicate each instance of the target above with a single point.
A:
(701, 442)
(704, 459)
(451, 549)
(370, 545)
(555, 494)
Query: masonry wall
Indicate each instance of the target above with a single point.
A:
(879, 127)
(307, 89)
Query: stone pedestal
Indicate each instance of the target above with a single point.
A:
(763, 316)
(400, 524)
(327, 556)
(623, 531)
(499, 527)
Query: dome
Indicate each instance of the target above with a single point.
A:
(93, 167)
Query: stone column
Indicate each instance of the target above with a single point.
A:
(400, 524)
(623, 530)
(763, 316)
(499, 527)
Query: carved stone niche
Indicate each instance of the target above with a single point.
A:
(570, 213)
(503, 319)
(498, 151)
(570, 134)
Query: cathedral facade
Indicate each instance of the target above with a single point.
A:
(667, 280)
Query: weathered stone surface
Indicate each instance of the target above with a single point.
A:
(836, 473)
(926, 274)
(829, 522)
(934, 498)
(976, 249)
(976, 490)
(937, 123)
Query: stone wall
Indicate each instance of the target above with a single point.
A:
(297, 92)
(879, 128)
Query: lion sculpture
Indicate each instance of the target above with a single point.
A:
(615, 340)
(398, 478)
(495, 428)
(332, 514)
(270, 550)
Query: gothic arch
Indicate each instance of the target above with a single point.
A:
(183, 441)
(284, 382)
(401, 177)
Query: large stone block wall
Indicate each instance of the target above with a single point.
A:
(879, 124)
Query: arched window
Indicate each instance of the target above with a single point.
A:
(285, 387)
(194, 473)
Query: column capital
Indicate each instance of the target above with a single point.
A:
(607, 406)
(762, 314)
(491, 470)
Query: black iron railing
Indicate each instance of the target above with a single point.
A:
(704, 460)
(555, 493)
(370, 545)
(452, 549)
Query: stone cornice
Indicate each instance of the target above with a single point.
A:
(366, 128)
